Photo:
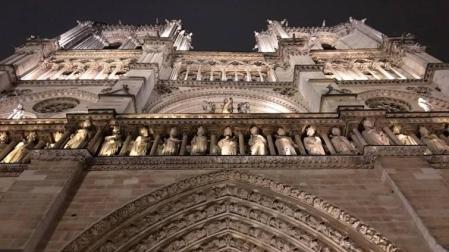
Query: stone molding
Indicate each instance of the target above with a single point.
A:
(129, 225)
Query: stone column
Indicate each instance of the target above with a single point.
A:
(392, 136)
(241, 143)
(213, 144)
(34, 202)
(183, 149)
(328, 143)
(154, 146)
(271, 145)
(298, 142)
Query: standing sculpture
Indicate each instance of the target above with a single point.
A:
(404, 139)
(228, 106)
(199, 142)
(433, 142)
(20, 150)
(374, 135)
(171, 145)
(312, 143)
(257, 143)
(140, 145)
(341, 143)
(228, 144)
(284, 143)
(80, 137)
(111, 143)
(17, 113)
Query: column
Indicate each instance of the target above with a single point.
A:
(241, 143)
(155, 144)
(298, 142)
(248, 75)
(328, 143)
(392, 136)
(213, 145)
(183, 148)
(359, 137)
(387, 74)
(124, 149)
(271, 145)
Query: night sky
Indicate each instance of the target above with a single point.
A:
(227, 25)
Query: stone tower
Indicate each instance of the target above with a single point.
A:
(120, 138)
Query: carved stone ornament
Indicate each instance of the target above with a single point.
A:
(229, 209)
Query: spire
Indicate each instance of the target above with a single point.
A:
(324, 23)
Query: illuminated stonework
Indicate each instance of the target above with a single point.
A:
(119, 138)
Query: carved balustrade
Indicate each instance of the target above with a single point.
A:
(347, 135)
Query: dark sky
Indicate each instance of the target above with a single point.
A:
(227, 25)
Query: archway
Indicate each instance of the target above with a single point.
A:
(229, 211)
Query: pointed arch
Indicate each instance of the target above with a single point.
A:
(229, 211)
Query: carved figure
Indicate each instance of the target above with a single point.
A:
(111, 143)
(374, 135)
(257, 143)
(140, 145)
(20, 150)
(199, 142)
(404, 139)
(227, 145)
(171, 145)
(3, 137)
(80, 136)
(284, 143)
(312, 143)
(228, 106)
(341, 144)
(243, 107)
(17, 113)
(435, 144)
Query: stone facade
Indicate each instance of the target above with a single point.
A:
(119, 138)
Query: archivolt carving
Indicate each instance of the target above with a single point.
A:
(232, 211)
(412, 98)
(199, 95)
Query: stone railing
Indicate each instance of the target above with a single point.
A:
(348, 139)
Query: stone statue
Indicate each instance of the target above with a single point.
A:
(3, 137)
(228, 106)
(227, 145)
(257, 143)
(111, 143)
(171, 145)
(341, 144)
(404, 139)
(20, 150)
(140, 145)
(199, 142)
(313, 143)
(17, 113)
(79, 137)
(433, 142)
(55, 137)
(243, 107)
(284, 143)
(373, 135)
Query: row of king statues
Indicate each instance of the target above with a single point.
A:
(308, 143)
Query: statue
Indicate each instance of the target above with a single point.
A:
(209, 107)
(111, 143)
(257, 143)
(80, 136)
(171, 145)
(199, 142)
(228, 106)
(424, 104)
(228, 145)
(373, 135)
(284, 143)
(404, 139)
(433, 142)
(341, 144)
(313, 143)
(55, 137)
(20, 150)
(3, 137)
(17, 113)
(140, 145)
(243, 107)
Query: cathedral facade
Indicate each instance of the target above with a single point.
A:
(119, 137)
